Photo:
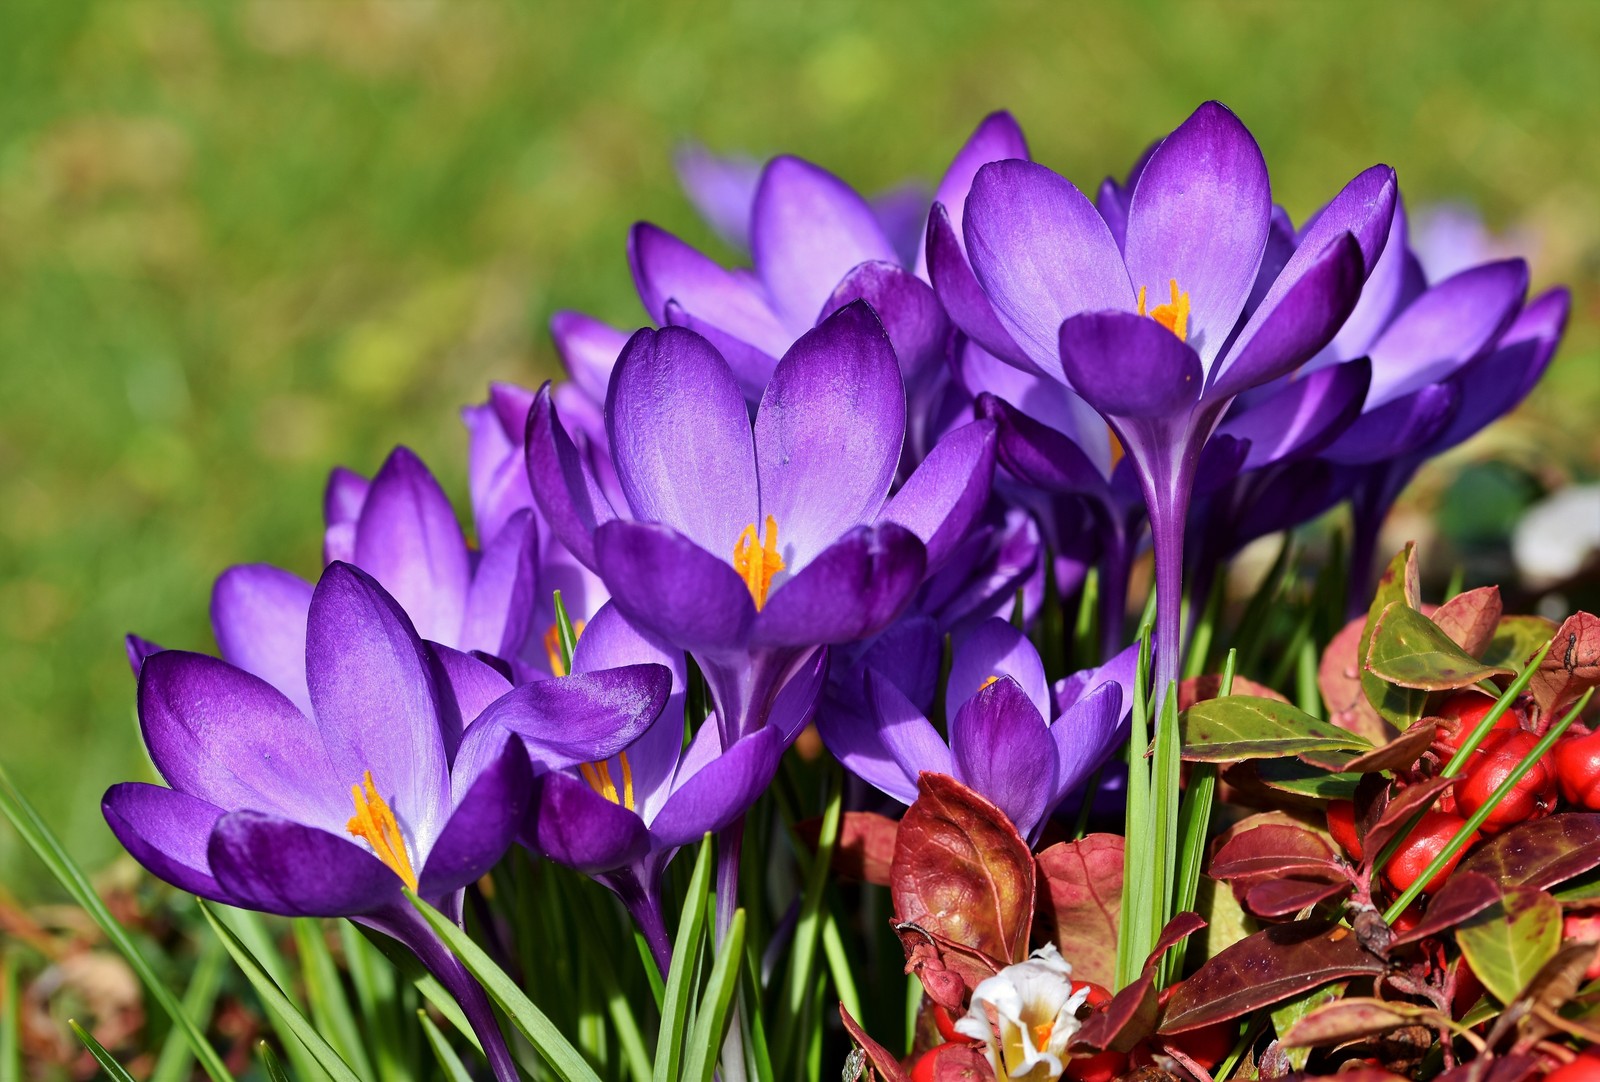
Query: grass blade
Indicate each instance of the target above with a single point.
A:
(269, 1062)
(711, 1021)
(48, 848)
(198, 999)
(685, 957)
(802, 957)
(10, 1021)
(106, 1061)
(330, 1009)
(449, 1062)
(1135, 934)
(1194, 823)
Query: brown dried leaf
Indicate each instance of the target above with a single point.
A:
(1571, 667)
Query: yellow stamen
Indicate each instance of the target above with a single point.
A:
(1116, 447)
(986, 683)
(552, 646)
(1041, 1034)
(375, 824)
(598, 775)
(1174, 315)
(757, 561)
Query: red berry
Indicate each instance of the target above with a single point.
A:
(1584, 928)
(947, 1026)
(1577, 763)
(1533, 797)
(1342, 825)
(1469, 989)
(1431, 835)
(1461, 712)
(1208, 1045)
(1408, 919)
(1586, 1068)
(1098, 995)
(1101, 1067)
(928, 1062)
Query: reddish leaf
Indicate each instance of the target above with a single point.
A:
(1275, 964)
(1571, 667)
(961, 1063)
(1178, 929)
(1465, 894)
(1339, 680)
(1470, 618)
(865, 848)
(1080, 897)
(1282, 897)
(1399, 586)
(1129, 1018)
(1517, 639)
(1356, 1017)
(1398, 812)
(1540, 854)
(946, 985)
(1398, 754)
(1359, 1074)
(963, 873)
(881, 1059)
(1197, 689)
(1412, 651)
(1273, 849)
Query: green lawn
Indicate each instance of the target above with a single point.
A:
(240, 243)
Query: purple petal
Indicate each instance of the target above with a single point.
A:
(1129, 366)
(573, 719)
(1385, 292)
(408, 539)
(589, 349)
(807, 229)
(1199, 216)
(1492, 386)
(576, 826)
(828, 435)
(1364, 208)
(374, 698)
(752, 367)
(853, 589)
(485, 820)
(963, 298)
(902, 211)
(1085, 737)
(907, 307)
(854, 741)
(166, 831)
(681, 438)
(996, 649)
(258, 614)
(280, 866)
(945, 495)
(666, 269)
(138, 649)
(497, 473)
(500, 600)
(910, 740)
(796, 703)
(1037, 454)
(1003, 749)
(344, 496)
(1042, 253)
(229, 738)
(721, 187)
(1397, 428)
(667, 584)
(1121, 670)
(1303, 415)
(996, 138)
(569, 497)
(466, 685)
(713, 797)
(1112, 202)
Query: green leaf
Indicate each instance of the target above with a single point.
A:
(330, 1010)
(275, 1001)
(449, 1062)
(1509, 942)
(44, 843)
(802, 956)
(10, 1020)
(1246, 727)
(685, 957)
(546, 1039)
(101, 1056)
(1290, 775)
(269, 1062)
(1411, 650)
(1287, 1014)
(716, 1006)
(1516, 638)
(198, 999)
(1397, 705)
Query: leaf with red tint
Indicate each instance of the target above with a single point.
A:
(1401, 807)
(1359, 1074)
(1540, 854)
(1399, 586)
(865, 848)
(1275, 964)
(1199, 689)
(963, 873)
(1274, 849)
(1412, 651)
(1129, 1018)
(1465, 894)
(1571, 667)
(881, 1059)
(1282, 897)
(1398, 754)
(1517, 639)
(1470, 618)
(946, 985)
(1356, 1017)
(1247, 727)
(960, 1063)
(1080, 898)
(1339, 680)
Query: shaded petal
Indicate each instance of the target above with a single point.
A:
(501, 599)
(166, 831)
(1121, 670)
(1398, 428)
(138, 649)
(485, 820)
(279, 866)
(796, 702)
(853, 589)
(909, 738)
(963, 298)
(907, 307)
(1303, 416)
(681, 439)
(573, 719)
(589, 349)
(1112, 202)
(1365, 208)
(1039, 455)
(1042, 253)
(1492, 386)
(569, 497)
(1086, 736)
(948, 491)
(854, 741)
(902, 212)
(576, 826)
(665, 269)
(466, 685)
(996, 138)
(807, 229)
(721, 791)
(497, 478)
(666, 583)
(1385, 292)
(1200, 215)
(258, 614)
(752, 367)
(722, 188)
(344, 496)
(1129, 366)
(828, 434)
(996, 648)
(408, 539)
(1002, 749)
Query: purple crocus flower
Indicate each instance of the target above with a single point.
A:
(259, 810)
(1013, 738)
(1155, 330)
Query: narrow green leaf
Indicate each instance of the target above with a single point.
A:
(1411, 650)
(1166, 782)
(269, 1062)
(105, 1059)
(711, 1020)
(658, 987)
(330, 1010)
(10, 1020)
(685, 957)
(1509, 942)
(176, 1060)
(48, 848)
(1287, 1014)
(1136, 934)
(802, 956)
(546, 1039)
(630, 1040)
(273, 998)
(566, 633)
(844, 981)
(758, 1057)
(1194, 823)
(449, 1062)
(1247, 727)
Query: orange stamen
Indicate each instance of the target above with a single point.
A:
(552, 646)
(375, 824)
(598, 775)
(1041, 1034)
(757, 561)
(986, 683)
(1174, 315)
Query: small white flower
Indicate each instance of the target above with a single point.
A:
(1026, 1014)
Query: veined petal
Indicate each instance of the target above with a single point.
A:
(996, 138)
(485, 819)
(752, 367)
(1086, 735)
(344, 496)
(276, 865)
(1126, 365)
(589, 349)
(1303, 415)
(947, 492)
(501, 598)
(853, 589)
(575, 719)
(907, 307)
(963, 298)
(1003, 750)
(995, 648)
(466, 686)
(667, 584)
(576, 826)
(909, 738)
(719, 792)
(569, 497)
(667, 269)
(722, 188)
(166, 831)
(1039, 455)
(408, 539)
(1399, 427)
(258, 614)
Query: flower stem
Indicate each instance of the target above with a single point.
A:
(644, 906)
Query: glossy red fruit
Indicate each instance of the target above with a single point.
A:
(1533, 797)
(927, 1063)
(1102, 1067)
(1469, 989)
(1461, 712)
(1098, 995)
(947, 1026)
(1342, 825)
(1584, 928)
(1408, 919)
(1586, 1068)
(1430, 837)
(1208, 1045)
(1577, 763)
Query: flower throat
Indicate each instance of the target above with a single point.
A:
(1174, 315)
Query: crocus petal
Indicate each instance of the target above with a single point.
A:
(910, 739)
(231, 739)
(907, 307)
(681, 439)
(589, 349)
(1037, 454)
(374, 698)
(1446, 327)
(344, 496)
(576, 826)
(1121, 670)
(466, 685)
(138, 649)
(1111, 200)
(1085, 736)
(408, 539)
(996, 648)
(258, 614)
(1129, 366)
(665, 269)
(501, 598)
(574, 719)
(721, 187)
(963, 298)
(1365, 208)
(828, 434)
(1199, 216)
(796, 704)
(948, 491)
(667, 584)
(807, 229)
(1303, 415)
(996, 138)
(1382, 295)
(166, 831)
(1002, 749)
(481, 826)
(721, 791)
(569, 497)
(902, 212)
(1492, 386)
(1042, 253)
(280, 866)
(854, 741)
(854, 588)
(497, 477)
(1397, 428)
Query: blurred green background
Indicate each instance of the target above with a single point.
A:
(240, 243)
